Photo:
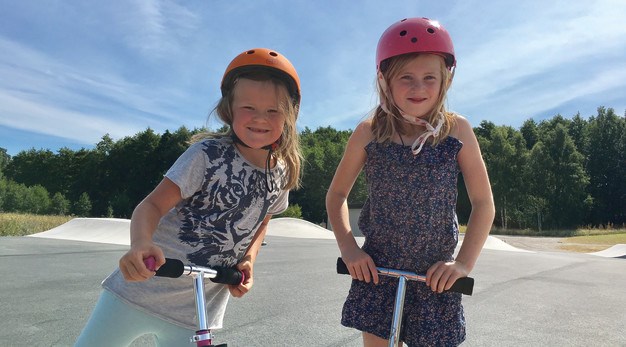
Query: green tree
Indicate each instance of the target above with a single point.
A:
(293, 211)
(485, 129)
(540, 180)
(59, 205)
(322, 150)
(82, 207)
(36, 200)
(579, 131)
(557, 175)
(171, 146)
(530, 133)
(132, 170)
(14, 197)
(505, 156)
(3, 192)
(5, 158)
(27, 167)
(606, 165)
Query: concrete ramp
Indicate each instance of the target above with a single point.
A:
(495, 243)
(616, 251)
(298, 228)
(101, 230)
(117, 231)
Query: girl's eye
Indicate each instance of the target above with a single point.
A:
(274, 112)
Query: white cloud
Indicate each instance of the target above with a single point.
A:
(125, 66)
(495, 77)
(39, 93)
(48, 119)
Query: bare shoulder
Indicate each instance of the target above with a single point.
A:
(362, 135)
(462, 129)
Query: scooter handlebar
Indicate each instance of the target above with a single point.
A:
(175, 268)
(464, 285)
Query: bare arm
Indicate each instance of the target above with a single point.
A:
(360, 265)
(479, 192)
(442, 275)
(246, 265)
(143, 223)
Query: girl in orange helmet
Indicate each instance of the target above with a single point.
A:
(412, 150)
(211, 209)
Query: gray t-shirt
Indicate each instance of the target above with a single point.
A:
(225, 199)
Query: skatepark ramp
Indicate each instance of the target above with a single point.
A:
(117, 231)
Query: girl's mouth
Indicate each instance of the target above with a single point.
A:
(257, 130)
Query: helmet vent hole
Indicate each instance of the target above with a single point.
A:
(403, 33)
(413, 39)
(250, 51)
(274, 54)
(431, 30)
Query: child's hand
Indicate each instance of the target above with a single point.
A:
(132, 263)
(240, 290)
(442, 275)
(360, 265)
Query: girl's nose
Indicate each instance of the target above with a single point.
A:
(260, 114)
(417, 85)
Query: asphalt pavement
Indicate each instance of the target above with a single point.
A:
(50, 286)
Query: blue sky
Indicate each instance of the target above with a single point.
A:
(73, 71)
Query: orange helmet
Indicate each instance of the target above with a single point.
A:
(264, 59)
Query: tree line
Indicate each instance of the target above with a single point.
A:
(556, 173)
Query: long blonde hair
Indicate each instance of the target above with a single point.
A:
(288, 150)
(384, 124)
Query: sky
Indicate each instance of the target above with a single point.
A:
(73, 71)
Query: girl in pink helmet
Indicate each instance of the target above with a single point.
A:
(412, 150)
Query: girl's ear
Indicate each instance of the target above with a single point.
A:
(382, 82)
(449, 81)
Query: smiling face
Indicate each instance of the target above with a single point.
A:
(258, 118)
(416, 86)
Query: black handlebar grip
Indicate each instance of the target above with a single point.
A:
(464, 285)
(173, 268)
(342, 269)
(228, 276)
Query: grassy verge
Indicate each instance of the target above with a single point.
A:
(16, 224)
(559, 232)
(584, 240)
(592, 243)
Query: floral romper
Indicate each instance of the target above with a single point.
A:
(409, 223)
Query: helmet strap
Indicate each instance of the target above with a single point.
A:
(433, 131)
(269, 177)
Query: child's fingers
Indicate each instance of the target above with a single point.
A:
(234, 291)
(441, 276)
(434, 274)
(373, 270)
(444, 279)
(134, 270)
(239, 290)
(364, 271)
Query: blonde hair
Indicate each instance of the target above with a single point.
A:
(288, 151)
(384, 124)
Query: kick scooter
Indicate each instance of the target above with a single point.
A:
(464, 285)
(175, 268)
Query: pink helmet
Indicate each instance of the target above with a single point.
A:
(415, 35)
